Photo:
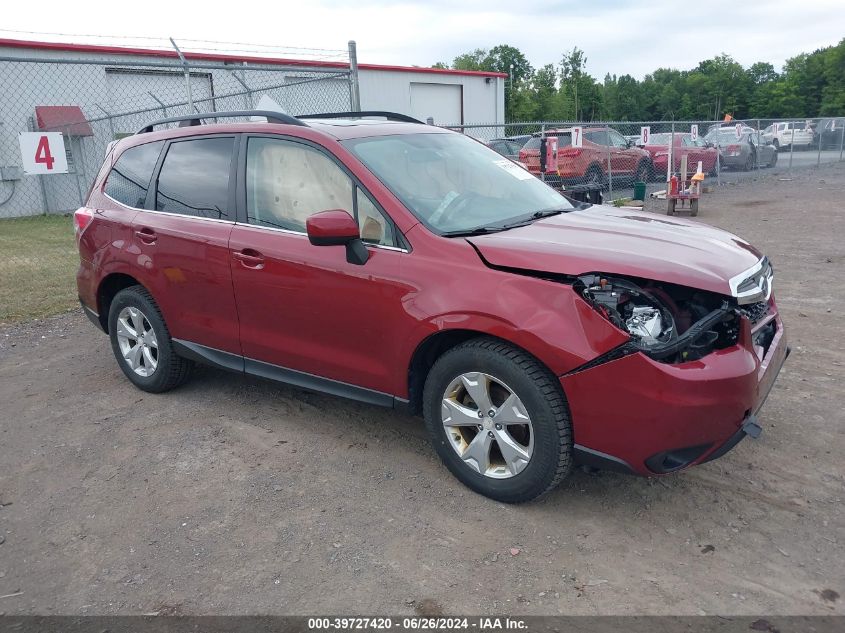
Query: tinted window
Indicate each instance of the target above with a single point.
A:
(129, 179)
(194, 178)
(288, 182)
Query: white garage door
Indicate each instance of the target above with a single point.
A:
(442, 102)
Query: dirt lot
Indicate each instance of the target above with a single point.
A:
(233, 495)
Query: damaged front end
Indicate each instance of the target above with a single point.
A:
(667, 322)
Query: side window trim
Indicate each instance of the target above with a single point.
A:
(240, 193)
(150, 203)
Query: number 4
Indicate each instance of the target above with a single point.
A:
(42, 153)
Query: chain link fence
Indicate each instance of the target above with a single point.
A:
(612, 156)
(93, 102)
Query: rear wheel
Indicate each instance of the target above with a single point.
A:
(141, 342)
(776, 143)
(749, 163)
(774, 160)
(499, 420)
(594, 176)
(644, 172)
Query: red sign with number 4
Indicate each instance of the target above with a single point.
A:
(43, 152)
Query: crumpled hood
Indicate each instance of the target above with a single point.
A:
(618, 241)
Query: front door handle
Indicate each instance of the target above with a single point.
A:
(147, 236)
(250, 258)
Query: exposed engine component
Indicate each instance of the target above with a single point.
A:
(630, 308)
(646, 323)
(669, 323)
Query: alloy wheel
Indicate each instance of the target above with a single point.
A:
(137, 341)
(487, 425)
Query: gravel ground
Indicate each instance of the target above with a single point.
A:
(236, 496)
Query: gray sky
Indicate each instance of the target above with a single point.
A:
(617, 36)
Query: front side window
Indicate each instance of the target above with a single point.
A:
(286, 182)
(194, 178)
(129, 179)
(453, 183)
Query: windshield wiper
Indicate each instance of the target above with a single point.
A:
(542, 213)
(481, 230)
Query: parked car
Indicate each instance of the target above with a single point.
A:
(829, 132)
(787, 133)
(510, 146)
(588, 164)
(405, 265)
(747, 152)
(684, 145)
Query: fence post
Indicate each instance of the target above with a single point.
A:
(791, 145)
(670, 158)
(354, 91)
(542, 136)
(187, 77)
(819, 154)
(842, 140)
(759, 144)
(609, 167)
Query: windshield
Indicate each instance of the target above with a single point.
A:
(455, 184)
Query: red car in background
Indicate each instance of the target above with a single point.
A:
(588, 164)
(684, 145)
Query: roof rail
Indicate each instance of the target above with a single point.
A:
(390, 116)
(196, 119)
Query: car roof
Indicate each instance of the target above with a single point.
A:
(338, 129)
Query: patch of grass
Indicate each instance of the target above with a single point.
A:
(38, 262)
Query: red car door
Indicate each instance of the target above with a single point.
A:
(304, 307)
(181, 241)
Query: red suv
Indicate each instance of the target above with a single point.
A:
(405, 265)
(588, 164)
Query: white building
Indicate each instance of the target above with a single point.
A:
(109, 92)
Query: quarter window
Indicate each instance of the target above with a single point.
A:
(129, 179)
(194, 178)
(287, 182)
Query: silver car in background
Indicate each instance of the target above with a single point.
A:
(747, 152)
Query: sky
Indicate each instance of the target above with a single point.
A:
(617, 37)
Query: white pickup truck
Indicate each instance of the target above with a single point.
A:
(784, 134)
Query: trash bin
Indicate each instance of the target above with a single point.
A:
(639, 191)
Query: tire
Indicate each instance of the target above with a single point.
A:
(774, 160)
(644, 172)
(693, 207)
(500, 370)
(594, 176)
(154, 367)
(749, 163)
(776, 143)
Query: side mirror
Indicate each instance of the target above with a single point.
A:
(337, 228)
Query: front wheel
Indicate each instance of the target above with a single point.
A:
(141, 342)
(499, 420)
(774, 160)
(644, 172)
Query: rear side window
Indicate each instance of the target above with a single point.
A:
(129, 179)
(194, 178)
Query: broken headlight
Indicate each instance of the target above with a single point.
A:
(668, 323)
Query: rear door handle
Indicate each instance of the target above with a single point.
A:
(250, 258)
(146, 235)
